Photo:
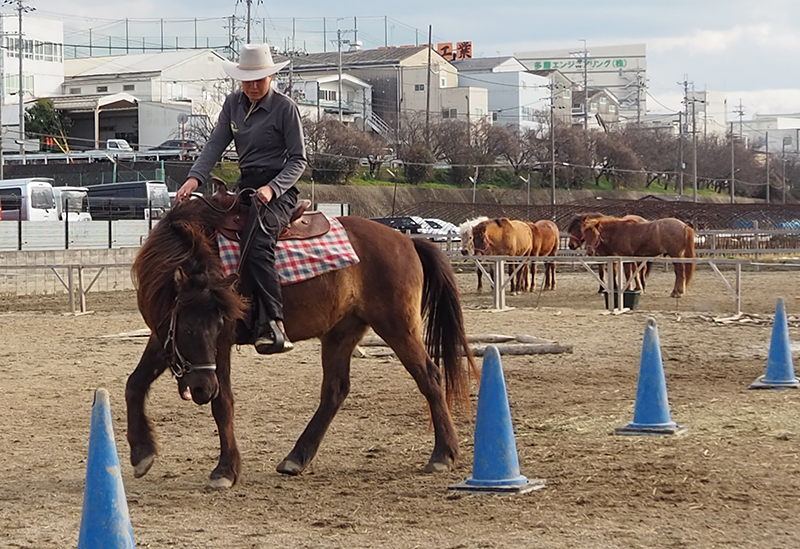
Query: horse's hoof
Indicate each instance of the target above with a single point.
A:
(289, 467)
(436, 467)
(221, 483)
(141, 468)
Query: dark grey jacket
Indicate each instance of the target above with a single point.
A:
(271, 138)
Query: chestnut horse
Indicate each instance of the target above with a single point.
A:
(575, 230)
(545, 237)
(468, 242)
(196, 316)
(503, 236)
(627, 237)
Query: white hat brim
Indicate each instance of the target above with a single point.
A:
(246, 75)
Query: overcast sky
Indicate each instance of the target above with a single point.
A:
(747, 49)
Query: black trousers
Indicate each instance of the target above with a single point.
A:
(259, 258)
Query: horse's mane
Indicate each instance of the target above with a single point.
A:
(184, 238)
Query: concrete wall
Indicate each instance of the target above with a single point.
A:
(43, 280)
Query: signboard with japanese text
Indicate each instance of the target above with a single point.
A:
(445, 49)
(463, 50)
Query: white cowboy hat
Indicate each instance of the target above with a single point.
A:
(255, 63)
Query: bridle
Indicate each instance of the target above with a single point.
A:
(485, 241)
(178, 364)
(596, 244)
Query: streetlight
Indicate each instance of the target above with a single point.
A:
(474, 187)
(394, 193)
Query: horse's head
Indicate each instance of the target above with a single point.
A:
(575, 231)
(590, 234)
(184, 298)
(481, 239)
(465, 231)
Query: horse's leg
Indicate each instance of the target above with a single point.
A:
(140, 432)
(601, 272)
(337, 349)
(533, 276)
(406, 341)
(229, 467)
(680, 281)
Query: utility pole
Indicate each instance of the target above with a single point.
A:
(248, 2)
(428, 92)
(733, 164)
(339, 42)
(552, 151)
(694, 151)
(740, 112)
(21, 8)
(585, 91)
(766, 152)
(680, 153)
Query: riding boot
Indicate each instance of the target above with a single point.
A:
(262, 273)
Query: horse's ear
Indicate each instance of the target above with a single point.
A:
(180, 278)
(501, 221)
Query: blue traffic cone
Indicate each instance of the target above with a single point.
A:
(780, 367)
(496, 465)
(651, 413)
(105, 521)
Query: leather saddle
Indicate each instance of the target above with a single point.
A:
(302, 224)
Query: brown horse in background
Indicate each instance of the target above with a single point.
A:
(503, 236)
(575, 231)
(468, 242)
(627, 237)
(194, 314)
(546, 238)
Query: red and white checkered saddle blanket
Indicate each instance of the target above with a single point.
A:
(298, 260)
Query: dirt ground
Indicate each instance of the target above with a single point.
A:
(733, 480)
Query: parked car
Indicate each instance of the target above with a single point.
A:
(444, 228)
(404, 224)
(176, 148)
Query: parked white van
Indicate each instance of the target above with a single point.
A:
(72, 202)
(28, 199)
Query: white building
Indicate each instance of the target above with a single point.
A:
(318, 94)
(514, 95)
(42, 67)
(621, 70)
(156, 92)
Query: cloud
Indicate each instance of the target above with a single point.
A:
(707, 41)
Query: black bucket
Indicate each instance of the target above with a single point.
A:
(630, 299)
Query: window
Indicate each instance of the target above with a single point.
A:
(567, 94)
(450, 112)
(612, 108)
(478, 113)
(128, 87)
(101, 89)
(419, 87)
(603, 100)
(327, 95)
(495, 116)
(74, 91)
(443, 82)
(592, 107)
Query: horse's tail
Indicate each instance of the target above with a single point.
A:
(688, 271)
(445, 335)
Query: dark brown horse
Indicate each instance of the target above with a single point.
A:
(503, 236)
(627, 237)
(545, 237)
(193, 313)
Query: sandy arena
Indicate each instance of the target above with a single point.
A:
(733, 480)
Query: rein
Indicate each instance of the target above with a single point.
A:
(177, 362)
